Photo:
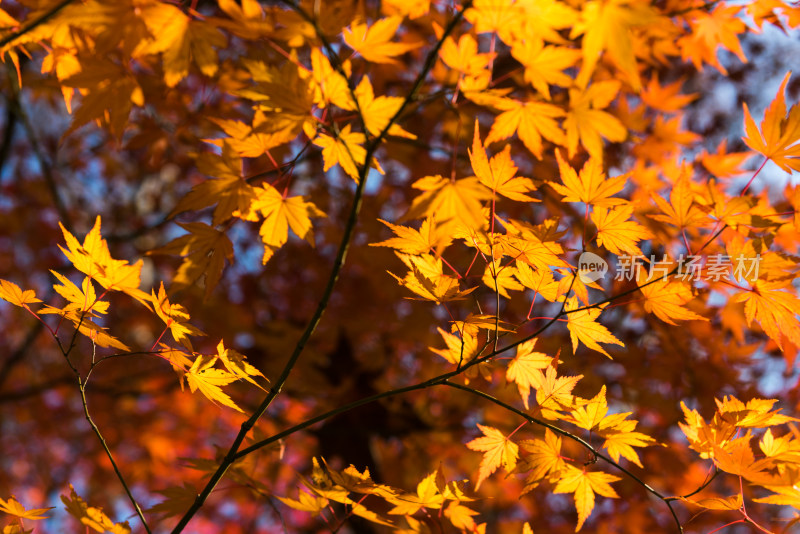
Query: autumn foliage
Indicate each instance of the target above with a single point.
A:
(398, 266)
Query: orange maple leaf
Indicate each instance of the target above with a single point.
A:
(780, 133)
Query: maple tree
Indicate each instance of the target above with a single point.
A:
(349, 266)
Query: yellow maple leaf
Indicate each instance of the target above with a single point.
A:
(331, 87)
(500, 173)
(616, 233)
(450, 200)
(525, 369)
(497, 450)
(81, 299)
(435, 286)
(584, 485)
(347, 150)
(429, 237)
(373, 42)
(554, 394)
(377, 112)
(236, 364)
(93, 259)
(607, 26)
(13, 507)
(11, 292)
(281, 213)
(464, 56)
(588, 416)
(92, 517)
(204, 377)
(545, 65)
(588, 123)
(681, 210)
(501, 279)
(666, 299)
(591, 187)
(306, 503)
(532, 121)
(541, 281)
(583, 327)
(543, 459)
(461, 516)
(427, 496)
(780, 132)
(175, 317)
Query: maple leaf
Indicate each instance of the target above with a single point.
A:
(543, 459)
(554, 394)
(178, 500)
(755, 413)
(281, 213)
(205, 251)
(584, 485)
(583, 327)
(499, 174)
(526, 369)
(464, 56)
(92, 517)
(681, 210)
(621, 438)
(236, 365)
(501, 279)
(93, 259)
(459, 350)
(616, 233)
(427, 496)
(460, 516)
(435, 286)
(498, 451)
(330, 86)
(724, 164)
(345, 149)
(83, 299)
(204, 377)
(306, 503)
(13, 507)
(591, 187)
(734, 502)
(710, 30)
(774, 309)
(11, 292)
(175, 317)
(449, 200)
(780, 132)
(373, 42)
(430, 236)
(377, 112)
(229, 190)
(667, 97)
(588, 123)
(666, 299)
(545, 65)
(589, 415)
(110, 91)
(473, 323)
(541, 281)
(248, 19)
(607, 26)
(532, 121)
